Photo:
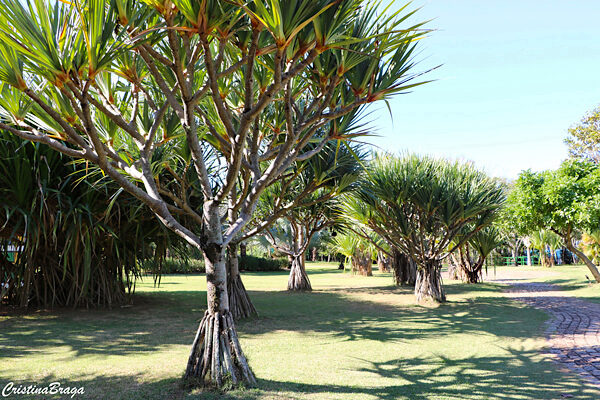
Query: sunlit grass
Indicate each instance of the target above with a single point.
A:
(353, 337)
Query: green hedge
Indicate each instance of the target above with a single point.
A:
(251, 263)
(192, 266)
(177, 266)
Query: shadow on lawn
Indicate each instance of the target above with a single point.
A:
(436, 377)
(517, 375)
(166, 318)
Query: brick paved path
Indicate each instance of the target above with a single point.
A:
(573, 330)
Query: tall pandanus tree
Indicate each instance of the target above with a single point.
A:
(89, 69)
(471, 255)
(419, 204)
(318, 181)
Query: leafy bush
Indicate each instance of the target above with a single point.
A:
(175, 266)
(194, 266)
(251, 263)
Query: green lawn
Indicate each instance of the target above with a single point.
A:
(351, 338)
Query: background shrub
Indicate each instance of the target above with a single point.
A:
(251, 263)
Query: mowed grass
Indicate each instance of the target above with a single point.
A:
(351, 338)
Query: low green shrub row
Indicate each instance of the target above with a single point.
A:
(251, 263)
(193, 266)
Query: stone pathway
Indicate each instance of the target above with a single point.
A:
(574, 329)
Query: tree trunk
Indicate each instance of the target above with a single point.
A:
(314, 254)
(455, 270)
(528, 256)
(591, 266)
(362, 264)
(404, 269)
(474, 273)
(298, 279)
(216, 357)
(471, 269)
(383, 262)
(429, 283)
(240, 304)
(515, 252)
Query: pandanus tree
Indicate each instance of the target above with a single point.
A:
(546, 242)
(359, 239)
(95, 80)
(419, 204)
(358, 252)
(318, 182)
(80, 240)
(471, 255)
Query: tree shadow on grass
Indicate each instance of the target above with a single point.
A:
(164, 318)
(154, 320)
(517, 375)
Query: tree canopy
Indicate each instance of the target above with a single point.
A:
(419, 204)
(565, 201)
(584, 138)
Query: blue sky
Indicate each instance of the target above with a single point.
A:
(515, 76)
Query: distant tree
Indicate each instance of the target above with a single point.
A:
(584, 138)
(565, 201)
(471, 255)
(318, 181)
(510, 226)
(359, 252)
(544, 240)
(419, 205)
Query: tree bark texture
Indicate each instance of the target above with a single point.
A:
(383, 262)
(404, 269)
(455, 270)
(362, 264)
(298, 279)
(240, 304)
(216, 353)
(428, 286)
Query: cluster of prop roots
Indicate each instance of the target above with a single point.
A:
(216, 353)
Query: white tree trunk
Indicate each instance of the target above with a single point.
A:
(216, 352)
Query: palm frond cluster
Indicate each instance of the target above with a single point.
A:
(78, 241)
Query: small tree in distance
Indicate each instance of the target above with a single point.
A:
(419, 205)
(565, 201)
(584, 138)
(114, 83)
